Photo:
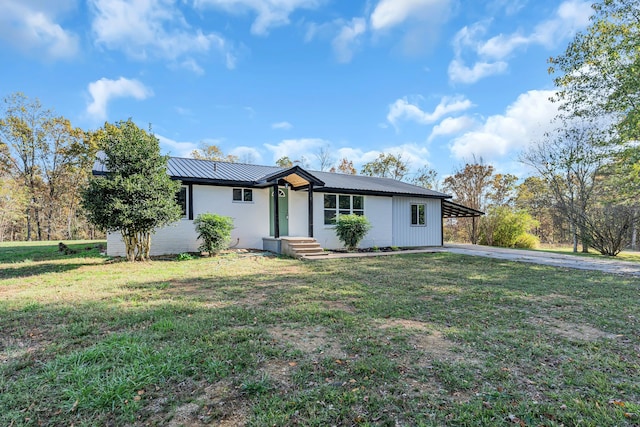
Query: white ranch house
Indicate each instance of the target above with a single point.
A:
(273, 206)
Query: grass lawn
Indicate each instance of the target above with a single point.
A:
(426, 339)
(633, 256)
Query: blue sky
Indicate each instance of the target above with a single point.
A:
(437, 81)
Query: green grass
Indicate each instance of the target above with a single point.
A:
(633, 256)
(425, 339)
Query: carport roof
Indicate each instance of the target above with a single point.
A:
(455, 210)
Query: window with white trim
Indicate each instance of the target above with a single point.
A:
(242, 195)
(418, 216)
(341, 204)
(182, 198)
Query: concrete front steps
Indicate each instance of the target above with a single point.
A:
(302, 247)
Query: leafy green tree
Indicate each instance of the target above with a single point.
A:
(284, 162)
(386, 165)
(534, 196)
(136, 196)
(351, 229)
(214, 153)
(599, 79)
(23, 131)
(427, 178)
(214, 231)
(13, 202)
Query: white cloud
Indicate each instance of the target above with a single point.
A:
(461, 73)
(524, 121)
(175, 148)
(416, 155)
(570, 17)
(295, 149)
(104, 90)
(452, 126)
(347, 39)
(402, 109)
(154, 29)
(31, 26)
(391, 13)
(247, 155)
(282, 125)
(419, 21)
(270, 13)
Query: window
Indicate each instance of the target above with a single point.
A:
(182, 200)
(417, 215)
(242, 195)
(341, 204)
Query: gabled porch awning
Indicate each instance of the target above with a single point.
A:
(298, 179)
(455, 210)
(295, 176)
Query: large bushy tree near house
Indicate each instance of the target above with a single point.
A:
(136, 196)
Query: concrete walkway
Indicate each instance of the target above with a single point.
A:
(535, 257)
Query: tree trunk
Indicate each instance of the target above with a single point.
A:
(137, 245)
(634, 235)
(29, 224)
(574, 235)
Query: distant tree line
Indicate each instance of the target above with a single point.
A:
(45, 162)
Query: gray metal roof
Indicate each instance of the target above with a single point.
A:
(361, 183)
(224, 173)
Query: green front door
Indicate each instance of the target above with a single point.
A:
(283, 211)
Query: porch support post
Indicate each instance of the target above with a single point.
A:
(311, 209)
(276, 213)
(441, 222)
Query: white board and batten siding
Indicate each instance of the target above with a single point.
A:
(407, 235)
(251, 221)
(377, 210)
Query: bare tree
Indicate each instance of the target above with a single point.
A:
(570, 162)
(325, 159)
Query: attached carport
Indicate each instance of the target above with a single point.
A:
(456, 210)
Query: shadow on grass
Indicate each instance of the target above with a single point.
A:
(48, 251)
(31, 270)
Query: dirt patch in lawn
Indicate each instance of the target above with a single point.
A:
(340, 305)
(314, 342)
(217, 404)
(279, 371)
(426, 339)
(573, 331)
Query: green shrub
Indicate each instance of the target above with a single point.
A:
(504, 226)
(351, 229)
(185, 256)
(527, 241)
(215, 232)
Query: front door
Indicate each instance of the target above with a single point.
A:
(283, 211)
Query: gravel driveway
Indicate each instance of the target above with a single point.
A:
(547, 258)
